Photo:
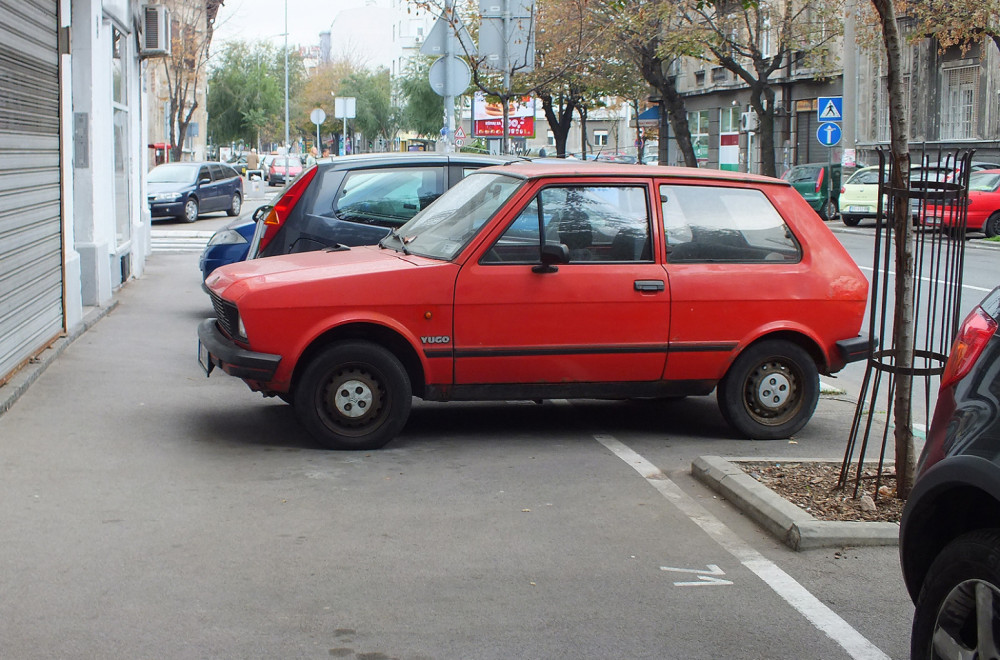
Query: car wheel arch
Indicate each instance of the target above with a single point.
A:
(957, 496)
(802, 340)
(389, 338)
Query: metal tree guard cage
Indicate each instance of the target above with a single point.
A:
(939, 259)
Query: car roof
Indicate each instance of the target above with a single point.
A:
(356, 161)
(569, 168)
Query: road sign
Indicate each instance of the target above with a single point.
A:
(830, 108)
(828, 134)
(459, 133)
(317, 116)
(449, 76)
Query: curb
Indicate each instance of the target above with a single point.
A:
(790, 524)
(22, 380)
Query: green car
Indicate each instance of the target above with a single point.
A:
(859, 196)
(819, 184)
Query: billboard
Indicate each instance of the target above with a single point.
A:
(487, 118)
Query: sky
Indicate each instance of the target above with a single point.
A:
(265, 19)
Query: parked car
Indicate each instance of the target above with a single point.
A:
(185, 190)
(553, 280)
(819, 184)
(279, 169)
(983, 212)
(239, 164)
(949, 535)
(859, 196)
(316, 211)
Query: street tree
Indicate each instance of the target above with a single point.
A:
(184, 69)
(246, 98)
(377, 116)
(317, 90)
(422, 111)
(755, 40)
(654, 36)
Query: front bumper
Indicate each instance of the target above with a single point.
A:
(166, 209)
(217, 350)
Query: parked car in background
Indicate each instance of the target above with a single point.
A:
(279, 169)
(983, 211)
(334, 204)
(949, 535)
(553, 280)
(239, 164)
(819, 184)
(859, 196)
(185, 190)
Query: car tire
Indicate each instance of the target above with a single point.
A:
(850, 220)
(191, 210)
(354, 395)
(770, 391)
(828, 210)
(235, 204)
(962, 581)
(992, 225)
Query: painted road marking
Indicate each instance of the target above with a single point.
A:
(933, 281)
(709, 577)
(821, 616)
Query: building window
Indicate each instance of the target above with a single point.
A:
(550, 138)
(699, 78)
(960, 101)
(718, 74)
(601, 138)
(698, 125)
(882, 133)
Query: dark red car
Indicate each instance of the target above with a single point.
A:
(984, 206)
(537, 281)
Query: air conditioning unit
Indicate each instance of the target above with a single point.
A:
(156, 32)
(749, 122)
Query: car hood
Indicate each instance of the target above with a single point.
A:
(300, 270)
(154, 188)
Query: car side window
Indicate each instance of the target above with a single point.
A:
(218, 173)
(388, 196)
(204, 173)
(598, 224)
(716, 224)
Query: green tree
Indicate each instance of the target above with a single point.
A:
(377, 116)
(422, 109)
(246, 93)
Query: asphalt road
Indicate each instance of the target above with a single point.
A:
(150, 512)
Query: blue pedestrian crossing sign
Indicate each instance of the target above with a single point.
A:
(830, 108)
(828, 134)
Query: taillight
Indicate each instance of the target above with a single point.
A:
(977, 330)
(819, 180)
(843, 189)
(283, 207)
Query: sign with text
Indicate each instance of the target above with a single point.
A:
(487, 117)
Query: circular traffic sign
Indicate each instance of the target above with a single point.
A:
(828, 134)
(449, 76)
(317, 116)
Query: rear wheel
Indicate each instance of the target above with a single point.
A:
(191, 210)
(354, 395)
(770, 391)
(992, 225)
(850, 220)
(235, 204)
(958, 610)
(828, 210)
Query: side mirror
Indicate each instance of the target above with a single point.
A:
(552, 254)
(261, 212)
(203, 180)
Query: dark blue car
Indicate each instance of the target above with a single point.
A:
(351, 200)
(185, 190)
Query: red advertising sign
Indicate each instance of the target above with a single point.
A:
(487, 118)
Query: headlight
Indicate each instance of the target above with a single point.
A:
(226, 237)
(240, 328)
(167, 197)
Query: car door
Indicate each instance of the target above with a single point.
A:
(206, 190)
(602, 317)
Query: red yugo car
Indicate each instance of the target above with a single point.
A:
(984, 206)
(535, 281)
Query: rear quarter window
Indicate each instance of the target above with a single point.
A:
(710, 224)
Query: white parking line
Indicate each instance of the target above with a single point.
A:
(821, 616)
(933, 281)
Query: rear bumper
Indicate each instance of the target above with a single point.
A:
(235, 361)
(856, 348)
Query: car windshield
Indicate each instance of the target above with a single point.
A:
(447, 225)
(984, 181)
(293, 161)
(173, 173)
(863, 177)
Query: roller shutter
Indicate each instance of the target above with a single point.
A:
(31, 274)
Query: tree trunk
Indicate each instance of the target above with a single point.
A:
(560, 124)
(652, 68)
(902, 331)
(762, 101)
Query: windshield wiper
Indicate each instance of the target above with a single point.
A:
(394, 234)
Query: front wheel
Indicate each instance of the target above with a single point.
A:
(992, 225)
(354, 395)
(191, 210)
(958, 610)
(770, 391)
(235, 204)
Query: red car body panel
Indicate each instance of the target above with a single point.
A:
(471, 324)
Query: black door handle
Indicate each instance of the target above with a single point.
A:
(649, 285)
